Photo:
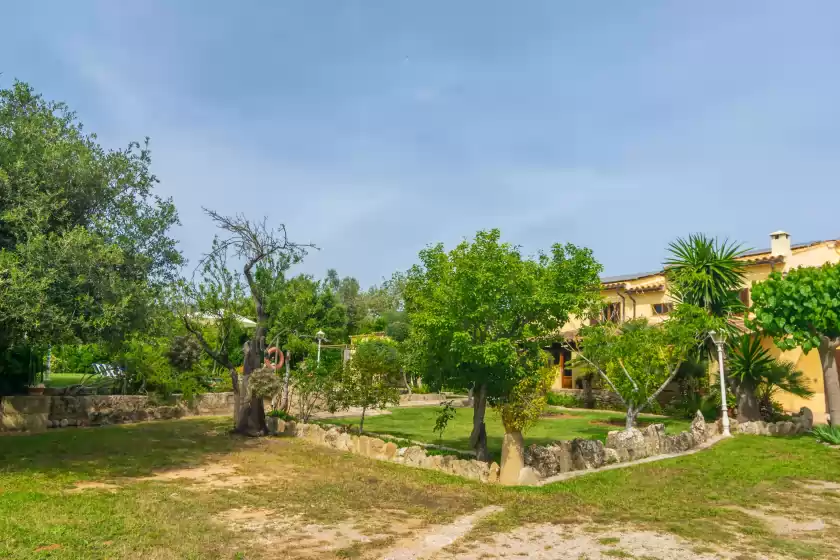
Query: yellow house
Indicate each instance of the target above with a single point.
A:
(646, 295)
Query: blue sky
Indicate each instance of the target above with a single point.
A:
(375, 127)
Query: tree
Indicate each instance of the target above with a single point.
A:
(480, 309)
(707, 273)
(638, 360)
(371, 377)
(255, 244)
(803, 309)
(752, 366)
(84, 244)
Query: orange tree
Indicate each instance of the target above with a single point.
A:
(477, 314)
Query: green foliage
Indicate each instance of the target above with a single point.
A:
(800, 308)
(477, 312)
(748, 361)
(686, 406)
(84, 250)
(563, 399)
(281, 414)
(317, 384)
(445, 414)
(184, 353)
(372, 377)
(265, 383)
(826, 434)
(706, 273)
(78, 358)
(637, 360)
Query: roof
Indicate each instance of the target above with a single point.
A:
(627, 277)
(753, 256)
(753, 252)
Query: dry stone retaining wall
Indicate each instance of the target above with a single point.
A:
(543, 461)
(375, 448)
(37, 413)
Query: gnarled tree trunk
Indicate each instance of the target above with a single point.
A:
(749, 409)
(831, 379)
(251, 419)
(478, 437)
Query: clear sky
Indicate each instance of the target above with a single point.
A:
(375, 127)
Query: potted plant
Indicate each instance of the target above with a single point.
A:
(36, 389)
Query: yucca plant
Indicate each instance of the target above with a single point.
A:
(758, 376)
(706, 272)
(827, 434)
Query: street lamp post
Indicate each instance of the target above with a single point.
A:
(320, 336)
(719, 338)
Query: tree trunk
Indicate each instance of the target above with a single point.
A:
(478, 437)
(831, 380)
(630, 418)
(285, 406)
(513, 458)
(588, 395)
(406, 383)
(362, 421)
(251, 419)
(748, 405)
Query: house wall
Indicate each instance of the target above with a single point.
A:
(809, 364)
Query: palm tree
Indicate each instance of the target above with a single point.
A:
(783, 376)
(706, 272)
(758, 376)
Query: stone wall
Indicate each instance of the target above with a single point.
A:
(37, 413)
(544, 461)
(375, 448)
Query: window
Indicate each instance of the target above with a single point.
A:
(662, 308)
(744, 296)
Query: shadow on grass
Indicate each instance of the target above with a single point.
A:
(120, 450)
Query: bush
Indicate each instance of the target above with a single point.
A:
(688, 405)
(564, 399)
(282, 414)
(184, 353)
(827, 434)
(265, 383)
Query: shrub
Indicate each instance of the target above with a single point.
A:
(283, 415)
(184, 353)
(265, 383)
(564, 399)
(827, 434)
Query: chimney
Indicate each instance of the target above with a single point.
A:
(780, 244)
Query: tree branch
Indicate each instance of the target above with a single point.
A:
(633, 381)
(601, 373)
(662, 387)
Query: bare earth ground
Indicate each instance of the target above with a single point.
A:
(142, 492)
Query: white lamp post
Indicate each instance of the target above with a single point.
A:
(320, 336)
(719, 338)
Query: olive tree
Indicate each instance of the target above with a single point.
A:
(802, 308)
(255, 244)
(480, 310)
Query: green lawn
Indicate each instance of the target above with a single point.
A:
(42, 515)
(64, 379)
(417, 424)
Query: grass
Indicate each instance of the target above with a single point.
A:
(690, 496)
(64, 379)
(417, 423)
